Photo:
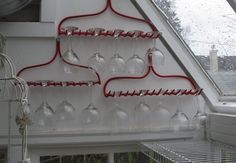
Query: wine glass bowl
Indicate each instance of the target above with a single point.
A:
(97, 61)
(90, 117)
(120, 119)
(116, 64)
(143, 116)
(43, 115)
(65, 111)
(161, 116)
(157, 57)
(179, 120)
(135, 65)
(69, 55)
(118, 116)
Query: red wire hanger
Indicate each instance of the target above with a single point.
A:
(144, 92)
(152, 35)
(108, 32)
(59, 83)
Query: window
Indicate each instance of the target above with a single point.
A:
(131, 157)
(126, 157)
(91, 158)
(30, 13)
(209, 29)
(3, 156)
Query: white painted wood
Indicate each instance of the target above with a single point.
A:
(27, 29)
(223, 119)
(48, 10)
(111, 157)
(68, 138)
(15, 154)
(222, 127)
(228, 139)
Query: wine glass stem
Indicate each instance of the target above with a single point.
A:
(134, 45)
(180, 105)
(91, 94)
(116, 44)
(43, 95)
(69, 42)
(142, 100)
(97, 50)
(64, 90)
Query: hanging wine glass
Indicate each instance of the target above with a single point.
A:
(119, 117)
(97, 61)
(158, 57)
(135, 65)
(69, 55)
(116, 63)
(44, 113)
(200, 116)
(199, 120)
(161, 116)
(142, 114)
(179, 120)
(65, 114)
(90, 116)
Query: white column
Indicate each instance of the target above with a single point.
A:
(111, 157)
(213, 59)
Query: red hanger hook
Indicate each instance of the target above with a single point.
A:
(108, 5)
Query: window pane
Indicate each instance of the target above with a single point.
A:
(3, 156)
(209, 29)
(131, 157)
(90, 158)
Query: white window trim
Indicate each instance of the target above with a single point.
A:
(184, 55)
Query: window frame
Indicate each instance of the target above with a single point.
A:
(186, 59)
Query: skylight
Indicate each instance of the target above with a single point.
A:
(209, 29)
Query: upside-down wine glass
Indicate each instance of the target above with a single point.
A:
(142, 114)
(97, 61)
(179, 120)
(157, 55)
(116, 63)
(135, 65)
(90, 116)
(199, 120)
(65, 113)
(69, 55)
(119, 117)
(161, 116)
(44, 113)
